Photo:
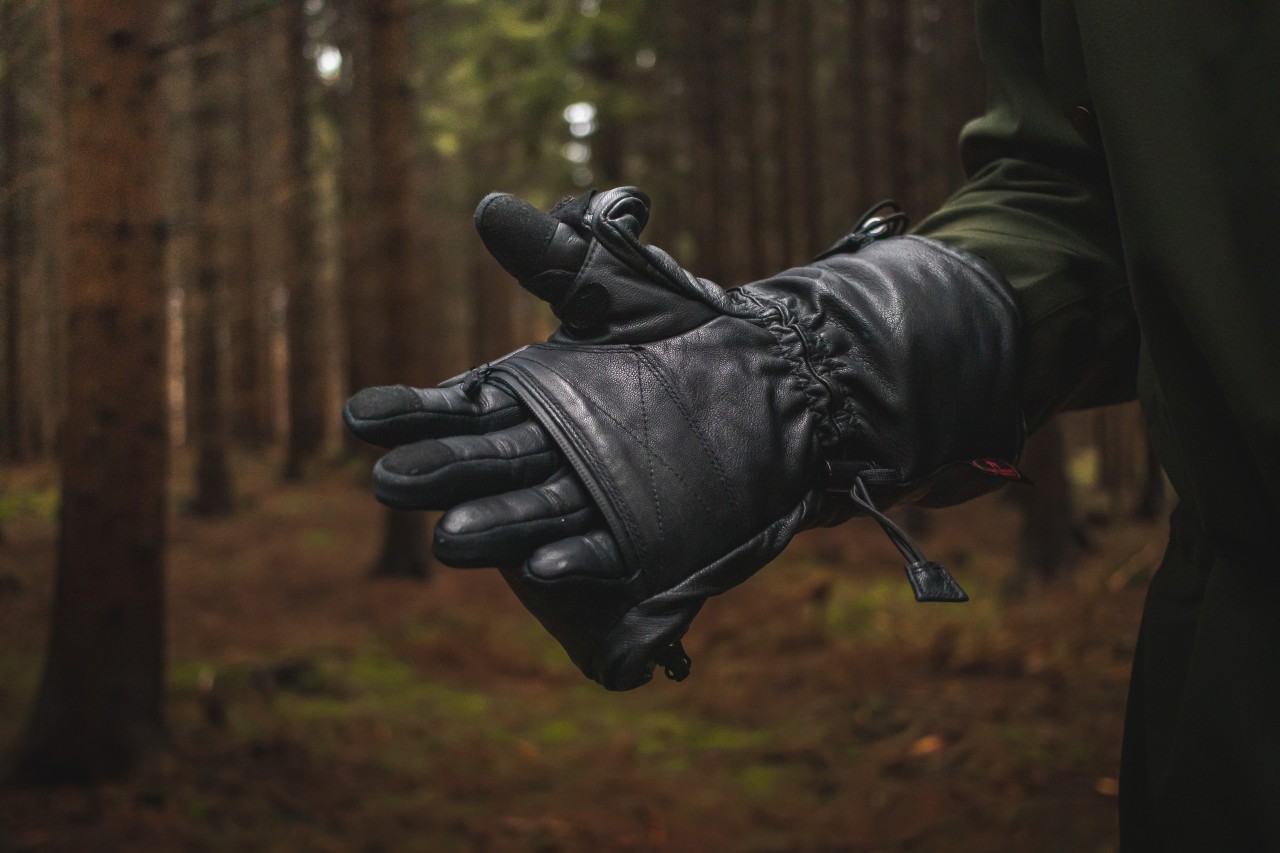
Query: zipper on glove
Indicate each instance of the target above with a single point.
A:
(930, 581)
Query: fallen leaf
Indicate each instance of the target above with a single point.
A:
(927, 745)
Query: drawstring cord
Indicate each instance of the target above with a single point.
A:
(883, 219)
(930, 581)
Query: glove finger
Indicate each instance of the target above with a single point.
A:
(505, 529)
(392, 415)
(594, 556)
(527, 242)
(440, 474)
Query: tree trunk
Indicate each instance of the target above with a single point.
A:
(251, 422)
(805, 143)
(761, 218)
(9, 219)
(366, 362)
(781, 61)
(404, 549)
(307, 415)
(882, 40)
(1117, 434)
(207, 301)
(1049, 542)
(701, 51)
(99, 706)
(10, 229)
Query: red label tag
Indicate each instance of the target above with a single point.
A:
(1000, 468)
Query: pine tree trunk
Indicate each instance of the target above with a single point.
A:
(99, 706)
(361, 293)
(494, 294)
(404, 548)
(783, 111)
(882, 42)
(1049, 542)
(701, 54)
(306, 413)
(52, 314)
(250, 356)
(207, 301)
(760, 217)
(12, 445)
(805, 144)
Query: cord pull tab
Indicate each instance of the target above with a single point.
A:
(675, 662)
(932, 582)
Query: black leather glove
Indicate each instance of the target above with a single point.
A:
(670, 437)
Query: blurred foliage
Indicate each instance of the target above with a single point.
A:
(500, 75)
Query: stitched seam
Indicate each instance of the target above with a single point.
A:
(624, 509)
(707, 448)
(648, 452)
(621, 427)
(525, 522)
(592, 250)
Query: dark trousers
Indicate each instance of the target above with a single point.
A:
(1200, 766)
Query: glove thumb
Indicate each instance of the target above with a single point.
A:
(585, 259)
(543, 251)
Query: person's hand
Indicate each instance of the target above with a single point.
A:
(510, 495)
(670, 437)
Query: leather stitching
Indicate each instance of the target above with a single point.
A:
(648, 450)
(621, 428)
(707, 448)
(625, 513)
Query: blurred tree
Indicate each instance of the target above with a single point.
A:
(803, 148)
(307, 416)
(361, 297)
(398, 278)
(1050, 541)
(251, 399)
(214, 171)
(881, 46)
(10, 221)
(701, 64)
(99, 706)
(30, 145)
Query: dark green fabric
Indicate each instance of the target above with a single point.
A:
(1126, 179)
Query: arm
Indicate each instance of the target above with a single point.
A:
(671, 437)
(1038, 206)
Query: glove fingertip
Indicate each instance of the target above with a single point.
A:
(515, 232)
(380, 403)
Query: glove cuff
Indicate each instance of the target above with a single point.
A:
(908, 354)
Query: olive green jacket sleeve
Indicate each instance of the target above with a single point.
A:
(1038, 205)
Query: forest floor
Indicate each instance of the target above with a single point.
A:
(311, 708)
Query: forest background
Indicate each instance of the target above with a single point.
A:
(220, 217)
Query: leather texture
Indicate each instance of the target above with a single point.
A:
(700, 421)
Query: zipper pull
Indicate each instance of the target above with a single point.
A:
(474, 378)
(674, 661)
